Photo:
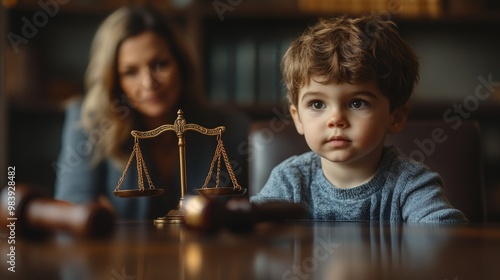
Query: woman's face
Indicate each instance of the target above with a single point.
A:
(149, 75)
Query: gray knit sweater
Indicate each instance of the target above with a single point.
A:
(401, 191)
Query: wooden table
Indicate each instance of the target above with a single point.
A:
(302, 250)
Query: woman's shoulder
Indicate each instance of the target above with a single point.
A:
(73, 109)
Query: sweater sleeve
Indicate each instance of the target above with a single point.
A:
(280, 185)
(423, 200)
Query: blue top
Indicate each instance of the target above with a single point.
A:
(80, 181)
(402, 190)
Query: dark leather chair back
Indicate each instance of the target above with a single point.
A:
(453, 152)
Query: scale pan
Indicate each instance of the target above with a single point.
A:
(229, 191)
(138, 193)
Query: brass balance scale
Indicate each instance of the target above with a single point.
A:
(180, 127)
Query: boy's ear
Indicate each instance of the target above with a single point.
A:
(399, 115)
(296, 119)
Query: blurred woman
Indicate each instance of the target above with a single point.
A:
(138, 76)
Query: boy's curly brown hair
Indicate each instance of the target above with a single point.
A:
(352, 50)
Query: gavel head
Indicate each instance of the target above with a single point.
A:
(35, 216)
(210, 214)
(13, 202)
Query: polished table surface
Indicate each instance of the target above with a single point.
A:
(298, 250)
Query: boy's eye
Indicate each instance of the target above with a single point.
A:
(358, 104)
(317, 105)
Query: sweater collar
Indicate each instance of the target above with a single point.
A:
(366, 189)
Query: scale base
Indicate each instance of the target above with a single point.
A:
(173, 217)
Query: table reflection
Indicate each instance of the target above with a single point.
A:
(302, 250)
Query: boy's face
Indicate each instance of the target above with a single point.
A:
(345, 123)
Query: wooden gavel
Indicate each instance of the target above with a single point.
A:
(34, 216)
(236, 214)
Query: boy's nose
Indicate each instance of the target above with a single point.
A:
(337, 119)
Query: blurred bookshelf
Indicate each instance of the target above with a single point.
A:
(238, 44)
(404, 8)
(243, 63)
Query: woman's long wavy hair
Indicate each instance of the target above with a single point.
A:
(107, 116)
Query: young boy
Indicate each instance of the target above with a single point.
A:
(349, 82)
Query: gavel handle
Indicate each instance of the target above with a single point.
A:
(83, 220)
(239, 215)
(278, 211)
(266, 212)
